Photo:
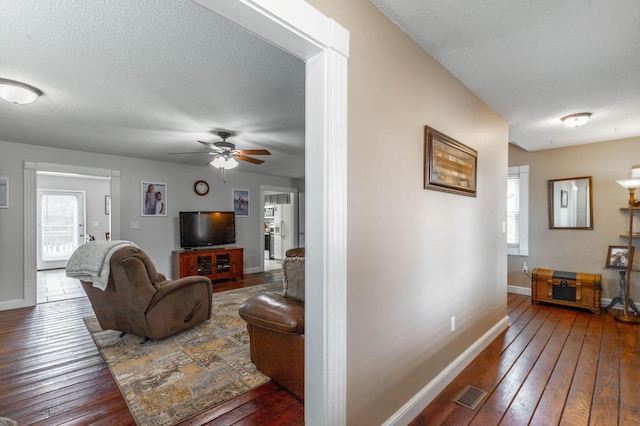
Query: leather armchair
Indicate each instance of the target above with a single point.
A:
(141, 301)
(275, 323)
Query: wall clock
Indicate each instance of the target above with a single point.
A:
(201, 187)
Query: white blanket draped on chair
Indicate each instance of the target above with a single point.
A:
(90, 262)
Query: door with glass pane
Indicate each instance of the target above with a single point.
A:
(60, 226)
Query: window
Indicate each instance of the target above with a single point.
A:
(518, 211)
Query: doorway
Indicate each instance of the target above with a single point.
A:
(325, 47)
(61, 230)
(326, 54)
(279, 225)
(70, 208)
(61, 224)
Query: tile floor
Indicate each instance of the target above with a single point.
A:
(54, 285)
(270, 265)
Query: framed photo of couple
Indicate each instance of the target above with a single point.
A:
(153, 199)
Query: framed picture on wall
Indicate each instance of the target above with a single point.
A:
(153, 199)
(618, 257)
(449, 165)
(241, 202)
(4, 193)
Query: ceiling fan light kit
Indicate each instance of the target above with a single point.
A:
(576, 120)
(17, 92)
(224, 163)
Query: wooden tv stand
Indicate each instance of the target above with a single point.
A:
(215, 264)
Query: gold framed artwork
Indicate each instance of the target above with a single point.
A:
(449, 166)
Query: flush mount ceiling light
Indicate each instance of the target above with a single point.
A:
(576, 120)
(17, 92)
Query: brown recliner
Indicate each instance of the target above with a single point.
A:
(275, 323)
(141, 301)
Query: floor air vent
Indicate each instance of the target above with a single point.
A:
(470, 397)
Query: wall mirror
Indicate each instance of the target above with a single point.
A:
(570, 203)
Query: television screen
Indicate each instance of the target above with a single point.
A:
(204, 229)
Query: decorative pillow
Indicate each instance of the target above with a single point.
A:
(293, 277)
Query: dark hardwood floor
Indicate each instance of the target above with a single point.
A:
(51, 373)
(553, 366)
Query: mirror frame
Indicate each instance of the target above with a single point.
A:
(550, 185)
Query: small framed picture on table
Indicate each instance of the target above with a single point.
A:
(618, 257)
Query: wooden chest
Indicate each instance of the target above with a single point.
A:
(575, 289)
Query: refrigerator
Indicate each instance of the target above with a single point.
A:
(283, 230)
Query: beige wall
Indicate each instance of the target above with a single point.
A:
(415, 257)
(577, 250)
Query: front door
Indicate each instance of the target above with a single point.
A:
(61, 228)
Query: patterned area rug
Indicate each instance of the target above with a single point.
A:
(167, 381)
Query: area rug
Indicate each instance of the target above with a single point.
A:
(167, 381)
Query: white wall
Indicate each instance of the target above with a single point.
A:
(158, 236)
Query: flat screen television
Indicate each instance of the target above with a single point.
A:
(206, 229)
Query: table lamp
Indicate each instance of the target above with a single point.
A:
(631, 185)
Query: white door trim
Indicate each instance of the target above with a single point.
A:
(298, 28)
(31, 169)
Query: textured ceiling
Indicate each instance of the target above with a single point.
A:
(534, 62)
(147, 78)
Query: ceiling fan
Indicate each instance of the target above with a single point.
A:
(227, 151)
(225, 154)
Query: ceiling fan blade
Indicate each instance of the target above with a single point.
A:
(192, 152)
(255, 152)
(249, 159)
(206, 143)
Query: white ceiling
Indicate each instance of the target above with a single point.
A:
(145, 79)
(534, 62)
(148, 78)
